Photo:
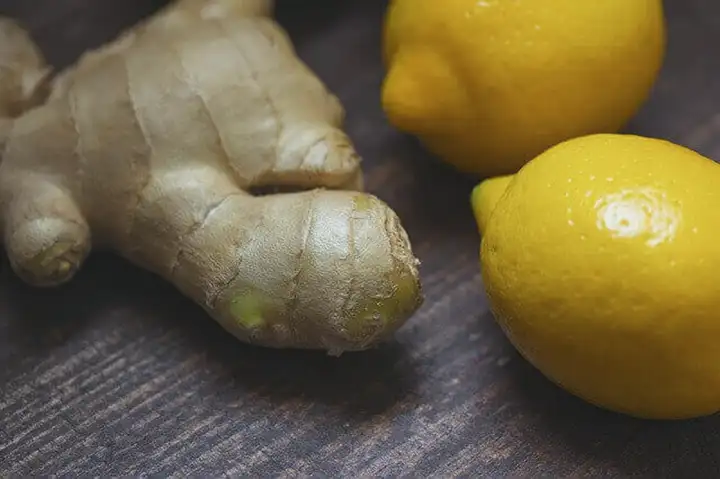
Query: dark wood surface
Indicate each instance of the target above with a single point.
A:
(117, 374)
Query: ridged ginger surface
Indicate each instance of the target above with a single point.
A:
(150, 147)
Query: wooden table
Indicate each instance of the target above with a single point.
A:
(118, 374)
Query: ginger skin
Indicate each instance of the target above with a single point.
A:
(23, 73)
(150, 147)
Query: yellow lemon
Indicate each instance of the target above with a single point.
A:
(601, 262)
(485, 196)
(489, 84)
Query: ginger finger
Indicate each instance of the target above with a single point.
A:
(44, 229)
(47, 238)
(45, 234)
(343, 277)
(303, 119)
(318, 269)
(299, 142)
(23, 73)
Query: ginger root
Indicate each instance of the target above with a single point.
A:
(23, 73)
(150, 146)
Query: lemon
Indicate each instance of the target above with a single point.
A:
(485, 196)
(601, 262)
(489, 84)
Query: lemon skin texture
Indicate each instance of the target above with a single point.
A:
(601, 263)
(488, 85)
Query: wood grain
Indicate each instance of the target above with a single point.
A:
(117, 374)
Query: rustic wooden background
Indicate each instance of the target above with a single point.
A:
(117, 374)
